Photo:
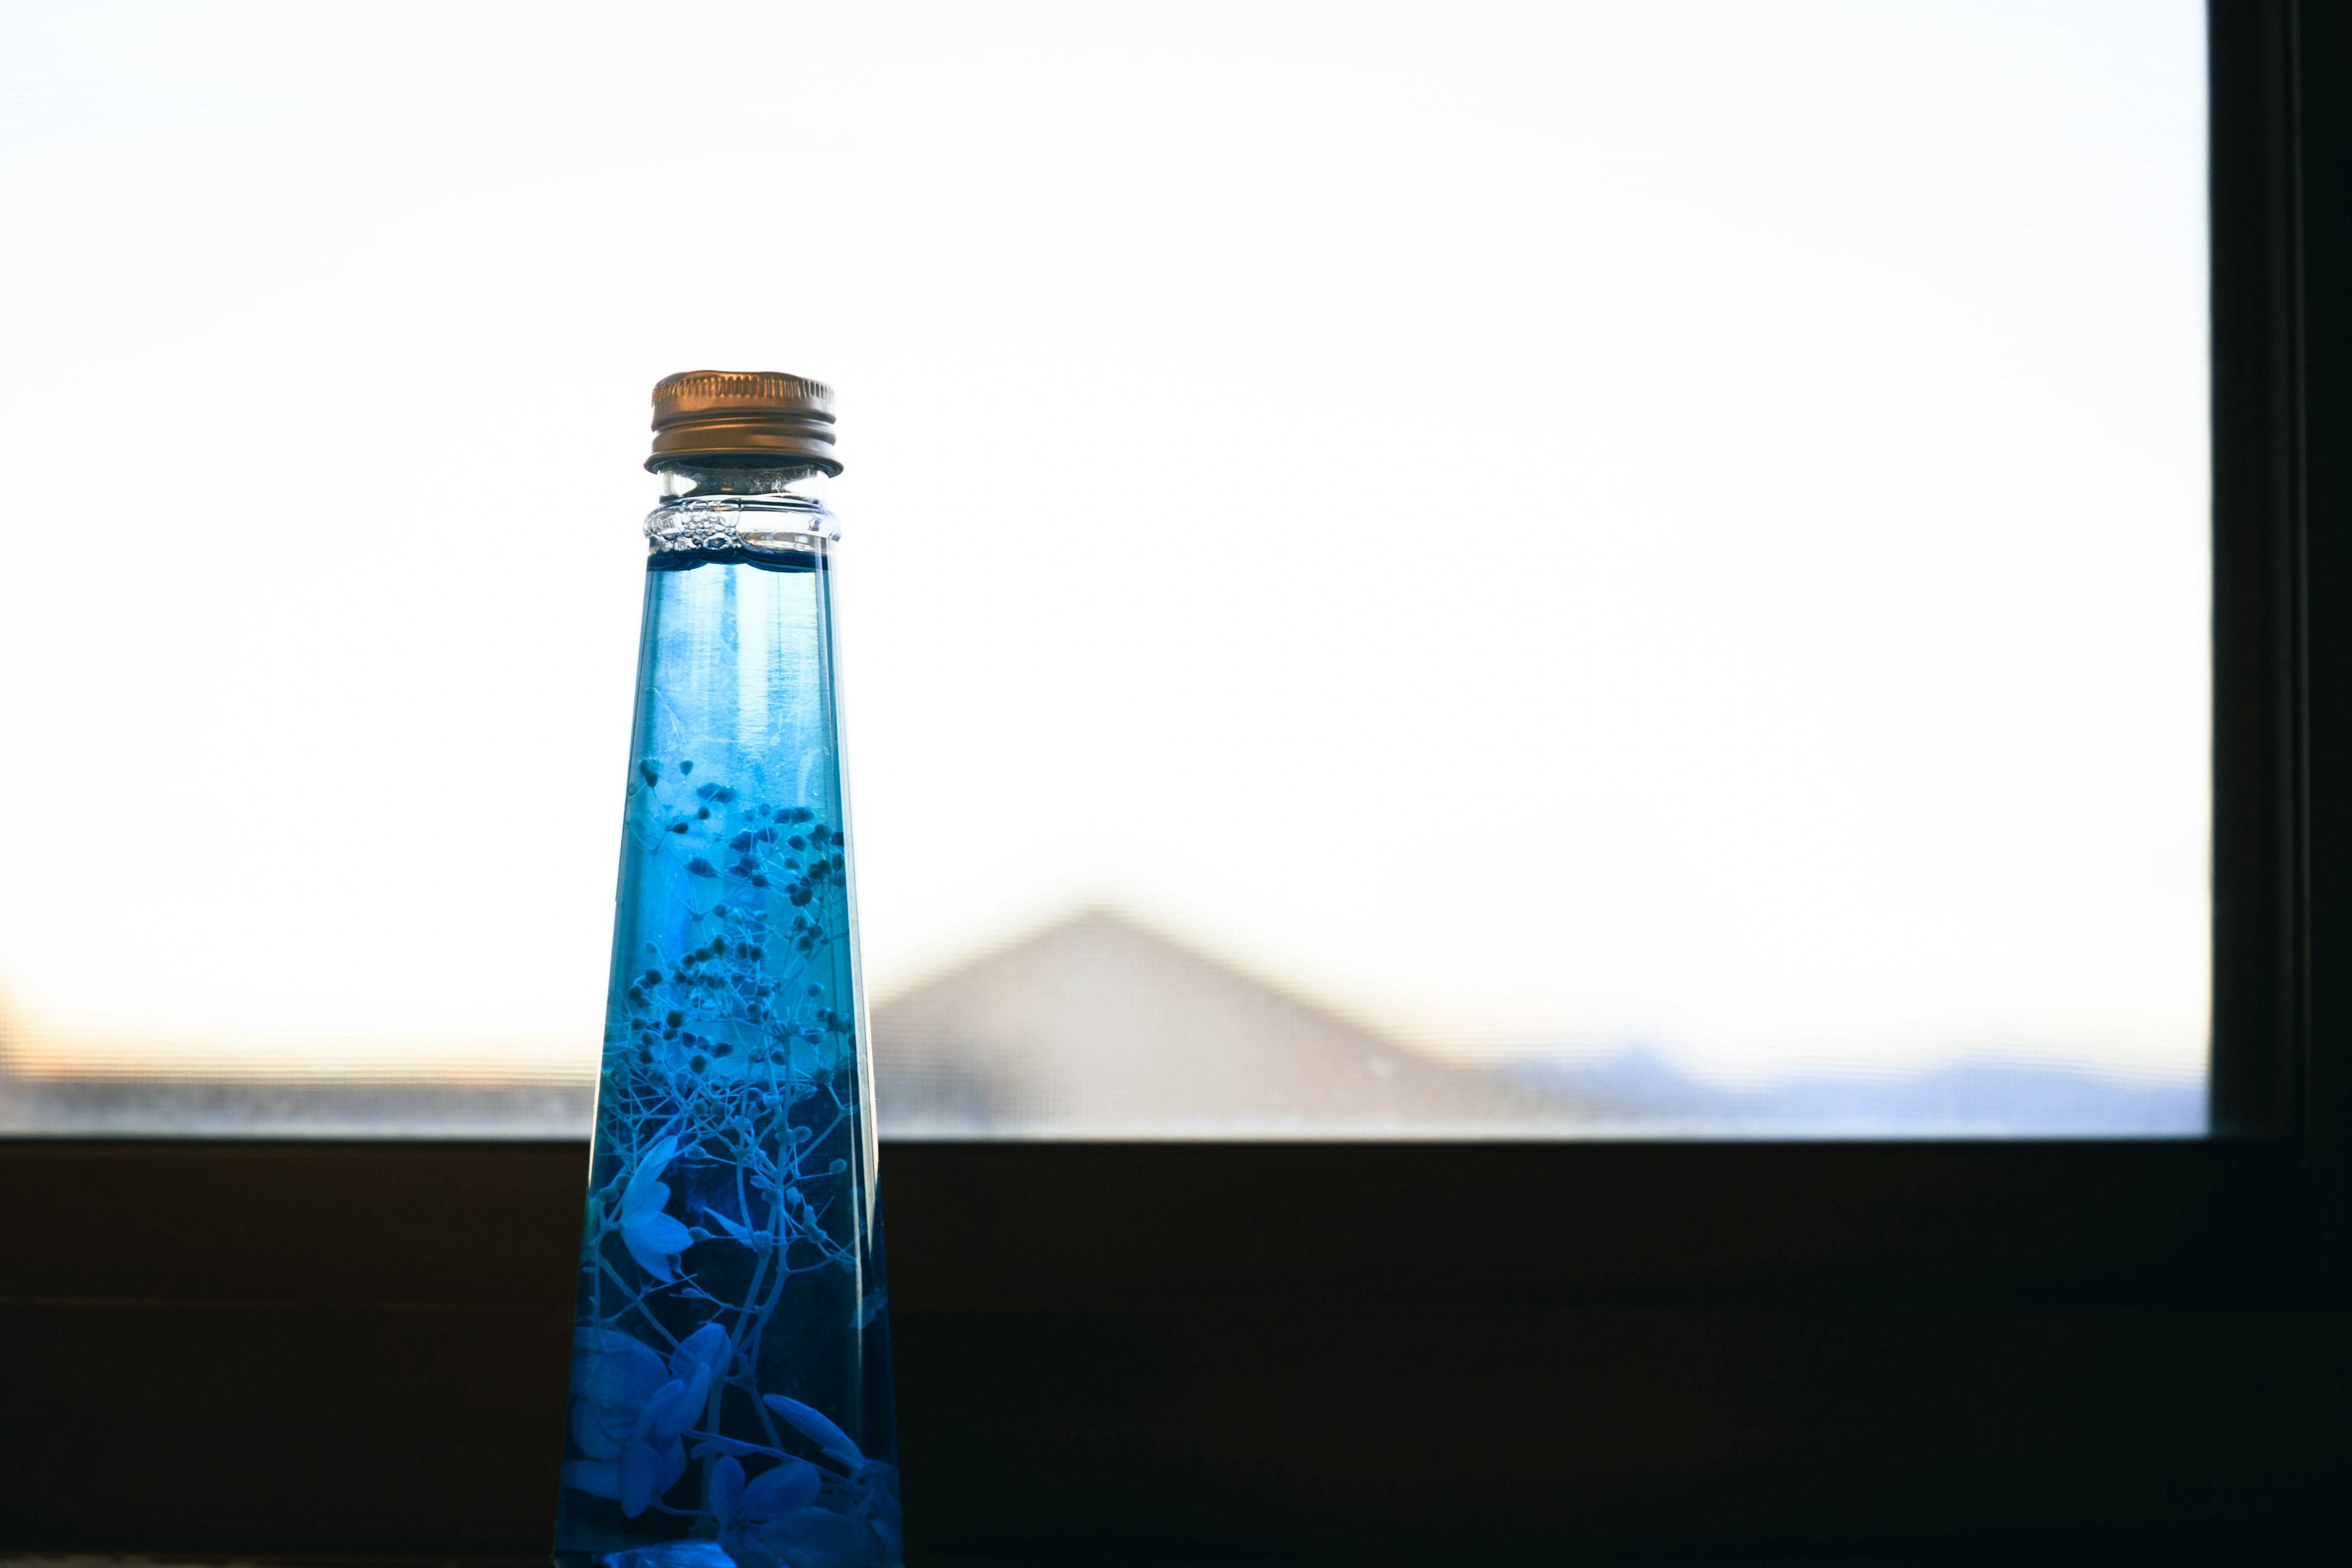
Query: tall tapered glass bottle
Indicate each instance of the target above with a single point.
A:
(730, 1376)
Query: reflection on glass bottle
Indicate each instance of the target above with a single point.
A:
(731, 1378)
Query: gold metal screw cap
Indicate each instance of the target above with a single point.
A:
(762, 415)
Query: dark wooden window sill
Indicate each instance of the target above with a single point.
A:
(1166, 1351)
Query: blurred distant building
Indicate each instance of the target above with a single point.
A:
(1099, 1027)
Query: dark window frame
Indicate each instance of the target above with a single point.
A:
(1478, 1351)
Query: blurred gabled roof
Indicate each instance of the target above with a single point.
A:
(1100, 1026)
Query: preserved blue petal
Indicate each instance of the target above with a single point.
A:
(726, 1488)
(667, 1413)
(813, 1426)
(613, 1378)
(590, 1434)
(595, 1480)
(639, 1468)
(705, 1348)
(792, 1484)
(653, 1239)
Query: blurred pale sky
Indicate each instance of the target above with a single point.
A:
(1547, 526)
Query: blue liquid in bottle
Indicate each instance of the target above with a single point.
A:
(730, 1400)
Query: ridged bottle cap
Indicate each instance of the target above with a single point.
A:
(764, 415)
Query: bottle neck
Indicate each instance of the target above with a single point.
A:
(756, 508)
